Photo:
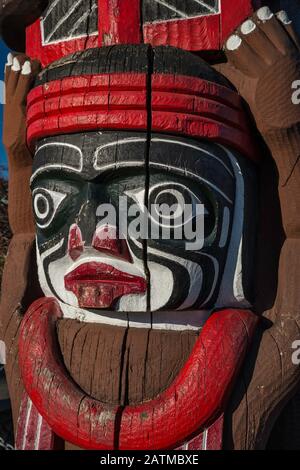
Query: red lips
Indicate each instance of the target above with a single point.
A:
(98, 285)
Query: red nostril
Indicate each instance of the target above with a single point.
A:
(106, 239)
(75, 242)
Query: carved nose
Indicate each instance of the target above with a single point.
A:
(106, 240)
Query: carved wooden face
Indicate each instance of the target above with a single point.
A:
(92, 263)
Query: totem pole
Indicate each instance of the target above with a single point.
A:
(123, 341)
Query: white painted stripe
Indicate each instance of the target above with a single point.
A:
(170, 7)
(203, 4)
(57, 165)
(204, 442)
(51, 8)
(129, 140)
(38, 432)
(28, 416)
(225, 227)
(193, 176)
(63, 19)
(195, 147)
(231, 291)
(157, 139)
(82, 18)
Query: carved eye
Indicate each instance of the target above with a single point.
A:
(45, 205)
(173, 205)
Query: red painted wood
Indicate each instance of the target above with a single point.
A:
(233, 14)
(199, 392)
(215, 435)
(195, 105)
(33, 432)
(98, 285)
(47, 54)
(75, 242)
(119, 22)
(194, 34)
(195, 86)
(205, 128)
(68, 411)
(180, 105)
(209, 439)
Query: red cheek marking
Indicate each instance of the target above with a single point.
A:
(75, 242)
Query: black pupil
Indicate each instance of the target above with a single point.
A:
(42, 205)
(169, 199)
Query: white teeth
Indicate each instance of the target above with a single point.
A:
(264, 14)
(248, 26)
(283, 17)
(233, 42)
(16, 65)
(26, 69)
(10, 59)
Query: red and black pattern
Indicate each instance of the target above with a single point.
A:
(69, 26)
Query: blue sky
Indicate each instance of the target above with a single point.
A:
(3, 55)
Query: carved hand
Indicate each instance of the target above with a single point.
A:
(263, 64)
(19, 75)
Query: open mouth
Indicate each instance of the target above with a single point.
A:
(99, 285)
(184, 406)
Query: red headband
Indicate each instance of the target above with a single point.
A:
(179, 105)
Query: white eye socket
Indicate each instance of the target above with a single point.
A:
(169, 206)
(41, 206)
(45, 205)
(173, 204)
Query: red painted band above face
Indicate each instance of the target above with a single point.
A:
(181, 105)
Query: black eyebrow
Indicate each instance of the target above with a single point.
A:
(57, 156)
(58, 174)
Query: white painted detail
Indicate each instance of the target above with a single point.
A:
(225, 227)
(16, 67)
(204, 441)
(2, 352)
(172, 8)
(63, 19)
(26, 69)
(193, 176)
(10, 59)
(183, 16)
(283, 17)
(56, 197)
(194, 147)
(58, 165)
(82, 18)
(38, 432)
(248, 27)
(144, 140)
(28, 415)
(231, 292)
(234, 42)
(264, 13)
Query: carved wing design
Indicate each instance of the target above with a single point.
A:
(162, 10)
(69, 19)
